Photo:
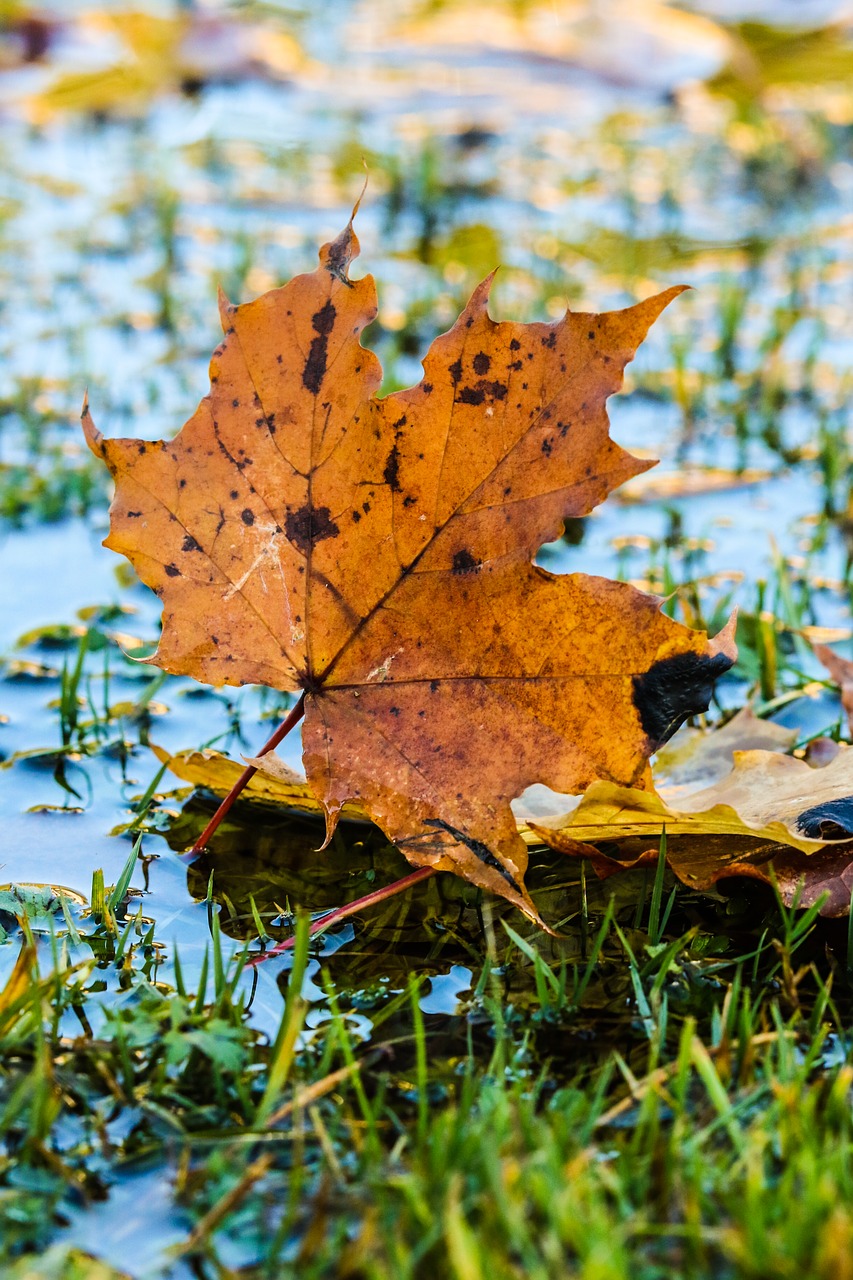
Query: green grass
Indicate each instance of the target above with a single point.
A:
(661, 1106)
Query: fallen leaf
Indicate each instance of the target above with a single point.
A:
(274, 783)
(767, 795)
(159, 54)
(841, 670)
(698, 758)
(637, 42)
(377, 555)
(688, 482)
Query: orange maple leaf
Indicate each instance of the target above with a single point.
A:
(377, 555)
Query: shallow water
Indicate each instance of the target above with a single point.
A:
(596, 189)
(116, 230)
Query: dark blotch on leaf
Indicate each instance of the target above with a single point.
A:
(674, 689)
(391, 474)
(832, 820)
(309, 525)
(481, 363)
(464, 562)
(323, 322)
(173, 571)
(189, 544)
(247, 516)
(477, 847)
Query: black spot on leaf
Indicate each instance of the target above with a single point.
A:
(315, 366)
(173, 571)
(464, 562)
(481, 363)
(247, 516)
(674, 689)
(477, 847)
(832, 820)
(323, 321)
(309, 525)
(391, 474)
(189, 544)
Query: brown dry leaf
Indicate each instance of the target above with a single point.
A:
(767, 795)
(841, 670)
(700, 757)
(377, 555)
(772, 818)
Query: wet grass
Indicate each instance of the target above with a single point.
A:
(665, 1088)
(431, 1090)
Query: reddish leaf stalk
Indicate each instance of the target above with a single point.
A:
(351, 909)
(290, 720)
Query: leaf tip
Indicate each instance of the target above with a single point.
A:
(724, 641)
(332, 818)
(339, 253)
(477, 306)
(94, 438)
(226, 308)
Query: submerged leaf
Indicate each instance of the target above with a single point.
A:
(278, 785)
(377, 555)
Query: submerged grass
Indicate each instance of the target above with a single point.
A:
(661, 1105)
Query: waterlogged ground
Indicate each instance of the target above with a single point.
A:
(592, 175)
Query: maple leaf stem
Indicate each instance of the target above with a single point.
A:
(289, 722)
(351, 909)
